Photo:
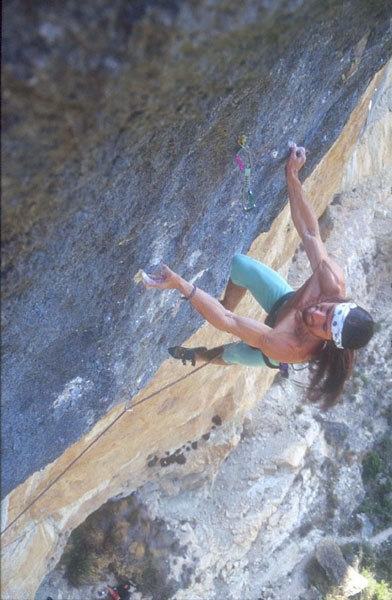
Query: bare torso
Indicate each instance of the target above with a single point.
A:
(325, 285)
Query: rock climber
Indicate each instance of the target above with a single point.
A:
(315, 324)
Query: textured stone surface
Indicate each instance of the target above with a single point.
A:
(166, 423)
(251, 530)
(338, 572)
(79, 337)
(119, 137)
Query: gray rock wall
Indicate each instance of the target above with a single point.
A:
(269, 523)
(119, 130)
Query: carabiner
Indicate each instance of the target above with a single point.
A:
(244, 161)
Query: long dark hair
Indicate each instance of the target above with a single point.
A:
(332, 366)
(330, 370)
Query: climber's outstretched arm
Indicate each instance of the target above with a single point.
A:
(250, 331)
(302, 212)
(210, 308)
(328, 276)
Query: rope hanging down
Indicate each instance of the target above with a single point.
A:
(128, 408)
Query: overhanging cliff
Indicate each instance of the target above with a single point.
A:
(119, 146)
(119, 137)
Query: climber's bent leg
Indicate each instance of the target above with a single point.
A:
(200, 354)
(240, 353)
(237, 353)
(265, 284)
(233, 295)
(214, 356)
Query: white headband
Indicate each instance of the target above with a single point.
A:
(339, 316)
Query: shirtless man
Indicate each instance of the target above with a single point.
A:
(315, 323)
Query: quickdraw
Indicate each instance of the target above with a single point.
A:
(244, 161)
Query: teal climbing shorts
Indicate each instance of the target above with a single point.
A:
(267, 287)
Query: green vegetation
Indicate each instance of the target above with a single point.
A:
(371, 466)
(378, 560)
(377, 479)
(121, 539)
(376, 590)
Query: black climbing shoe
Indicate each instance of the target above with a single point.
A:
(185, 354)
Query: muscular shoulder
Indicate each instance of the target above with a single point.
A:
(327, 280)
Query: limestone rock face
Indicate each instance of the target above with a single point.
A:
(290, 489)
(119, 144)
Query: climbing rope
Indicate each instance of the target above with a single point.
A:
(244, 161)
(128, 408)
